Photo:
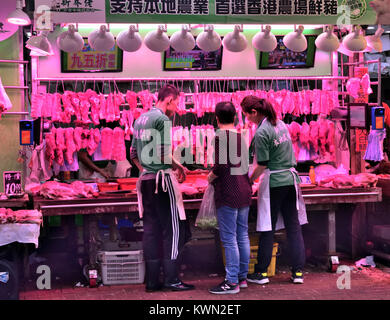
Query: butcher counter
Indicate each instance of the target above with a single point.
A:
(316, 199)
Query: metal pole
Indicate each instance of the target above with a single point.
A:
(15, 113)
(194, 78)
(13, 61)
(361, 62)
(15, 87)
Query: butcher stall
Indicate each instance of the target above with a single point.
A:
(81, 108)
(331, 192)
(319, 138)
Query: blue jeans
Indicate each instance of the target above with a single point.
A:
(233, 230)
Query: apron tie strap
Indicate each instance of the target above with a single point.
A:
(164, 186)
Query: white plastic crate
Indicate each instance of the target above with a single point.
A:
(122, 267)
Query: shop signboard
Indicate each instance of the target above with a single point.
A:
(90, 60)
(76, 11)
(341, 12)
(12, 182)
(240, 11)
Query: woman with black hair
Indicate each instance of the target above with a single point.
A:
(279, 190)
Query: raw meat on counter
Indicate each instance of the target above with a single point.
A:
(195, 183)
(58, 190)
(188, 189)
(20, 216)
(342, 181)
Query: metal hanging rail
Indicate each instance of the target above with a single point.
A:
(195, 78)
(14, 61)
(361, 62)
(15, 87)
(15, 113)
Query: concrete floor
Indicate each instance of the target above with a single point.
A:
(365, 284)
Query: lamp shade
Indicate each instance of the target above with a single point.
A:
(40, 44)
(129, 40)
(264, 40)
(157, 40)
(355, 40)
(101, 39)
(327, 41)
(344, 50)
(296, 41)
(235, 41)
(374, 42)
(70, 40)
(183, 40)
(18, 16)
(209, 40)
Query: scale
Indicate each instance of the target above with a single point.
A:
(29, 132)
(378, 118)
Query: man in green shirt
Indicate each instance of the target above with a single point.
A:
(159, 199)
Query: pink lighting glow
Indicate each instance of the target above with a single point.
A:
(18, 21)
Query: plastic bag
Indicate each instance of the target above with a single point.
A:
(207, 215)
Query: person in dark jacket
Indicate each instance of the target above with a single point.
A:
(232, 198)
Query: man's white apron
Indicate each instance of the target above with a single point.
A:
(176, 191)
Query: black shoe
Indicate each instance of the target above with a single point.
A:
(257, 277)
(179, 286)
(172, 282)
(226, 287)
(297, 277)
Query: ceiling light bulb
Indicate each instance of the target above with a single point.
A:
(157, 40)
(101, 39)
(235, 41)
(296, 41)
(18, 16)
(40, 44)
(327, 41)
(183, 40)
(264, 40)
(129, 40)
(355, 40)
(70, 40)
(375, 42)
(208, 40)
